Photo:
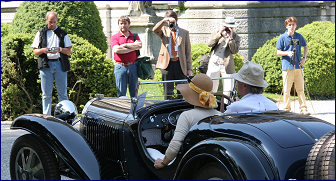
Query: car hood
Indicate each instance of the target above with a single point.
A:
(285, 128)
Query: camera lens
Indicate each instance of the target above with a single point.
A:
(171, 25)
(227, 30)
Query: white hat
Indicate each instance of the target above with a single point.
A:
(230, 22)
(252, 74)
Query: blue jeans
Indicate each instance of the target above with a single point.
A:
(48, 75)
(126, 75)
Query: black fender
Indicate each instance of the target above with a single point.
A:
(243, 160)
(64, 140)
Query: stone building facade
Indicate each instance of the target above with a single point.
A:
(258, 21)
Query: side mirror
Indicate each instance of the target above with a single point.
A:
(66, 110)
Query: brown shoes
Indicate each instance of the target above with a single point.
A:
(304, 112)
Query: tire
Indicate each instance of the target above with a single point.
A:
(213, 171)
(39, 161)
(320, 164)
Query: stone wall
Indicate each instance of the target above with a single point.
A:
(258, 21)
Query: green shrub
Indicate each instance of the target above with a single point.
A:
(19, 89)
(319, 69)
(5, 29)
(90, 73)
(75, 17)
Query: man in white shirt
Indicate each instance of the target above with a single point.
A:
(251, 84)
(52, 45)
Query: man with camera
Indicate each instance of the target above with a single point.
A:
(289, 47)
(225, 43)
(174, 58)
(52, 45)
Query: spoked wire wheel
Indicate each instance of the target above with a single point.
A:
(31, 159)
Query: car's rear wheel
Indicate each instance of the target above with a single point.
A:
(320, 164)
(213, 171)
(30, 159)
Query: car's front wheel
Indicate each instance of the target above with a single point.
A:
(30, 159)
(213, 171)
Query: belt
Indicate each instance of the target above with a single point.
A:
(53, 60)
(174, 59)
(125, 64)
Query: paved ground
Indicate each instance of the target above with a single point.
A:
(321, 109)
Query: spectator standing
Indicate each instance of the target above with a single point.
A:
(52, 45)
(221, 63)
(289, 47)
(124, 47)
(175, 55)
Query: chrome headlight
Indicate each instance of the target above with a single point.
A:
(66, 110)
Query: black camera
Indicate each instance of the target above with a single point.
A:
(294, 42)
(227, 30)
(171, 25)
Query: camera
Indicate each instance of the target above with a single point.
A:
(171, 25)
(227, 30)
(52, 49)
(294, 42)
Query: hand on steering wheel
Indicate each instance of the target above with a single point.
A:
(222, 99)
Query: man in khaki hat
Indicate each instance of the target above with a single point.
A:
(251, 84)
(225, 43)
(197, 93)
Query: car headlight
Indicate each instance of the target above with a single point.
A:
(66, 110)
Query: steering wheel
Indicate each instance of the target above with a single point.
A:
(223, 96)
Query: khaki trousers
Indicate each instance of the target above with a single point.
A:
(289, 77)
(218, 70)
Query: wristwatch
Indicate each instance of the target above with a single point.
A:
(60, 49)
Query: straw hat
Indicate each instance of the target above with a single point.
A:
(230, 22)
(203, 83)
(252, 74)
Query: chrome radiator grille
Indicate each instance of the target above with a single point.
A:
(104, 139)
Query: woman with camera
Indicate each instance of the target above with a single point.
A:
(221, 64)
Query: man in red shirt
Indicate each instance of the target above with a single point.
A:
(124, 47)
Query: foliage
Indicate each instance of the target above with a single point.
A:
(90, 73)
(75, 17)
(181, 7)
(19, 88)
(319, 69)
(5, 29)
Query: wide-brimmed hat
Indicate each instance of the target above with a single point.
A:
(198, 91)
(252, 74)
(230, 22)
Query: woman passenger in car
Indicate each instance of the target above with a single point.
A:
(197, 93)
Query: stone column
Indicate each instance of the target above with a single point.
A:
(108, 31)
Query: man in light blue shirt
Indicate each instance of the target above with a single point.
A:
(251, 84)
